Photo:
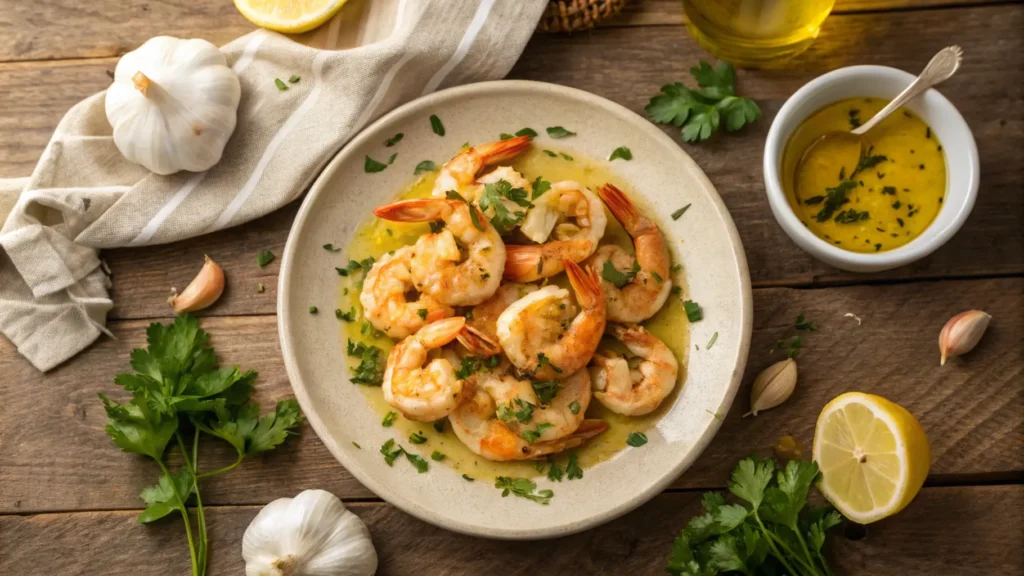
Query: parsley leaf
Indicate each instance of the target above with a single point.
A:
(574, 407)
(389, 419)
(332, 248)
(265, 257)
(700, 112)
(394, 140)
(370, 370)
(610, 273)
(437, 456)
(527, 132)
(162, 498)
(540, 186)
(804, 325)
(546, 390)
(558, 132)
(621, 152)
(523, 488)
(532, 436)
(370, 165)
(436, 125)
(280, 84)
(693, 311)
(504, 220)
(543, 361)
(636, 439)
(424, 166)
(294, 79)
(572, 468)
(679, 213)
(345, 316)
(555, 472)
(453, 195)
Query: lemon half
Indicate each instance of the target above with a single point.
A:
(290, 16)
(873, 455)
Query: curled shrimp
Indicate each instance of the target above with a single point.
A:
(421, 390)
(542, 334)
(461, 171)
(385, 297)
(484, 316)
(460, 265)
(573, 240)
(646, 293)
(504, 420)
(639, 390)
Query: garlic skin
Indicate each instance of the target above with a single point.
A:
(773, 386)
(309, 535)
(203, 291)
(173, 105)
(961, 334)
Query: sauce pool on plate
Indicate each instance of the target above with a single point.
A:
(882, 201)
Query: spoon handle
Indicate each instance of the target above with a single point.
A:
(940, 68)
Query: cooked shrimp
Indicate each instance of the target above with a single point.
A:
(646, 293)
(504, 409)
(421, 390)
(438, 266)
(541, 333)
(550, 216)
(636, 391)
(484, 316)
(385, 297)
(461, 171)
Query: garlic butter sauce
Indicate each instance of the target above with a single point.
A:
(881, 202)
(375, 237)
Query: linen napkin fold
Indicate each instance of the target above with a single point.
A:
(83, 195)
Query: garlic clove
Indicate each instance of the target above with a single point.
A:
(961, 334)
(773, 386)
(203, 291)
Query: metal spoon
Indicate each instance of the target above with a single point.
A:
(940, 68)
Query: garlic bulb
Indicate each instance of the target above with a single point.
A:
(309, 535)
(961, 334)
(173, 104)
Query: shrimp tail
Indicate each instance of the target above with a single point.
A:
(587, 430)
(437, 334)
(527, 263)
(621, 207)
(415, 210)
(475, 341)
(586, 285)
(494, 153)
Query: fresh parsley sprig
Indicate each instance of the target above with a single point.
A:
(177, 388)
(768, 531)
(699, 113)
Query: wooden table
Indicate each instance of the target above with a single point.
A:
(68, 497)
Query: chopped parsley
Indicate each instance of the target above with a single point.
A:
(527, 132)
(657, 276)
(572, 468)
(851, 216)
(714, 338)
(621, 153)
(558, 132)
(439, 425)
(389, 419)
(331, 248)
(574, 407)
(804, 325)
(390, 453)
(542, 361)
(550, 153)
(294, 79)
(532, 436)
(468, 478)
(417, 438)
(540, 186)
(436, 125)
(370, 371)
(523, 488)
(437, 456)
(280, 84)
(505, 136)
(546, 390)
(313, 310)
(610, 273)
(693, 311)
(504, 220)
(424, 166)
(679, 213)
(517, 409)
(636, 439)
(265, 257)
(555, 472)
(422, 313)
(370, 165)
(565, 156)
(394, 140)
(453, 195)
(345, 316)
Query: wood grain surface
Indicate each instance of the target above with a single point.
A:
(985, 521)
(988, 91)
(68, 497)
(971, 408)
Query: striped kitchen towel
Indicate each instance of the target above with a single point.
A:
(84, 196)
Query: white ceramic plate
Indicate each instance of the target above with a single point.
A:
(704, 240)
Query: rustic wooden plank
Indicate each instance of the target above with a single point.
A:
(973, 408)
(987, 90)
(919, 540)
(64, 29)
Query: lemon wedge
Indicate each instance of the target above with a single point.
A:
(290, 16)
(873, 455)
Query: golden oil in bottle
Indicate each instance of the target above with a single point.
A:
(755, 33)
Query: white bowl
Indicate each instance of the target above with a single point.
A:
(313, 345)
(962, 166)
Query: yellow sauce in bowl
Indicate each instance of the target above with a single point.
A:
(877, 202)
(375, 237)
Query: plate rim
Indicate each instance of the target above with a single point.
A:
(409, 506)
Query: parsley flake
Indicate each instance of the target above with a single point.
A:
(622, 153)
(523, 488)
(370, 165)
(436, 125)
(394, 140)
(558, 132)
(424, 166)
(679, 213)
(265, 257)
(693, 311)
(636, 439)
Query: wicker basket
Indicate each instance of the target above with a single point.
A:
(576, 15)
